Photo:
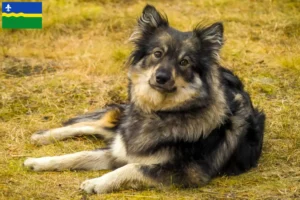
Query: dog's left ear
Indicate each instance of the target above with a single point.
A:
(211, 37)
(148, 22)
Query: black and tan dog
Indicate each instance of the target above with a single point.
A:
(188, 119)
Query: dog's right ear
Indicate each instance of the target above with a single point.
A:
(149, 21)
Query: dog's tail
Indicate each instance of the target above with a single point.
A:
(259, 130)
(255, 137)
(249, 149)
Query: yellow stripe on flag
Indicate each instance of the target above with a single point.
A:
(20, 15)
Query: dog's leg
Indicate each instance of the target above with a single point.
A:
(129, 175)
(103, 127)
(85, 160)
(96, 115)
(146, 175)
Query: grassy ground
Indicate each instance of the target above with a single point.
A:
(76, 64)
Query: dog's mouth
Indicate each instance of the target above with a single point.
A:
(162, 88)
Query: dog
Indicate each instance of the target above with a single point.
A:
(187, 120)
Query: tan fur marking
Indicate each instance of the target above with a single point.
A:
(238, 97)
(110, 118)
(174, 74)
(165, 37)
(190, 43)
(150, 100)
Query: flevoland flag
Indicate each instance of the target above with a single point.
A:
(22, 15)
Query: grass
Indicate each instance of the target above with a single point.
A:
(76, 64)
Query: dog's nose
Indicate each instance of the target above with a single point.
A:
(162, 77)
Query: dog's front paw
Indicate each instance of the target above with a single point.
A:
(96, 185)
(37, 164)
(40, 138)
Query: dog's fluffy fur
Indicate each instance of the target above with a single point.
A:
(188, 119)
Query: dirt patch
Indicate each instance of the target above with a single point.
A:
(13, 67)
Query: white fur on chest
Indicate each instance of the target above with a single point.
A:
(118, 151)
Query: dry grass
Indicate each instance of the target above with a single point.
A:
(76, 64)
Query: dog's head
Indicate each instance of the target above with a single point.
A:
(169, 69)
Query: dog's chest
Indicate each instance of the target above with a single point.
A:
(147, 134)
(121, 154)
(156, 128)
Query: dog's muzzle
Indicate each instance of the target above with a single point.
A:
(162, 81)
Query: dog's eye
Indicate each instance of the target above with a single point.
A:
(184, 62)
(157, 54)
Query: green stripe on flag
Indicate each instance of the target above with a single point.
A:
(22, 22)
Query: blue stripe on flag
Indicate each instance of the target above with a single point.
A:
(24, 7)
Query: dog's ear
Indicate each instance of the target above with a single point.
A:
(211, 37)
(151, 18)
(148, 22)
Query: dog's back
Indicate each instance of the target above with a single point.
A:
(249, 148)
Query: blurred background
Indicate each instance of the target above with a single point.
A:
(76, 64)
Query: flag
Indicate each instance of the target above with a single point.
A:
(22, 15)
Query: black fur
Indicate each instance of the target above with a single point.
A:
(199, 153)
(194, 157)
(196, 124)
